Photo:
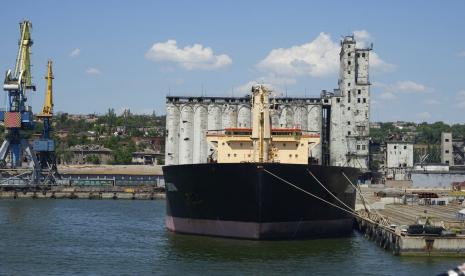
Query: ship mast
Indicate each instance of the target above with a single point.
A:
(261, 129)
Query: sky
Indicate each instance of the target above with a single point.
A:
(132, 54)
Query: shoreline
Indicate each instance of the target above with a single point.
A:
(90, 195)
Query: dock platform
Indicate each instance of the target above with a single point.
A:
(389, 228)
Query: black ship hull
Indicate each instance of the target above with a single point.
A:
(244, 200)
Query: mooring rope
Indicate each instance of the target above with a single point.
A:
(364, 200)
(321, 184)
(357, 189)
(327, 202)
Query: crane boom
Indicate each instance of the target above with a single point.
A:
(47, 109)
(23, 59)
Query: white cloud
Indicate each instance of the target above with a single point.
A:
(93, 71)
(431, 102)
(273, 82)
(387, 96)
(394, 90)
(245, 88)
(423, 115)
(75, 53)
(461, 54)
(460, 102)
(407, 86)
(363, 40)
(190, 57)
(316, 58)
(380, 65)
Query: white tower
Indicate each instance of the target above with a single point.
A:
(350, 108)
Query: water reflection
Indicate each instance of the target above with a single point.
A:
(191, 246)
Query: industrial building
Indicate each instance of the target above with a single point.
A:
(447, 156)
(398, 160)
(452, 150)
(399, 155)
(341, 117)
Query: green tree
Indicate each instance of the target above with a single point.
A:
(122, 155)
(93, 159)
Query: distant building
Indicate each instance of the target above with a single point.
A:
(452, 150)
(375, 125)
(447, 156)
(83, 154)
(399, 155)
(431, 168)
(398, 160)
(147, 157)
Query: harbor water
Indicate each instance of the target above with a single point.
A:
(116, 237)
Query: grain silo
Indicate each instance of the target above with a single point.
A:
(186, 134)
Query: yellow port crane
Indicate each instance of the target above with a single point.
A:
(47, 109)
(45, 145)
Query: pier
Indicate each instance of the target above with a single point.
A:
(85, 193)
(415, 230)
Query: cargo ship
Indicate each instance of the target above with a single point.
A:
(260, 183)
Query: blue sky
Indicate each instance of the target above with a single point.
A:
(131, 54)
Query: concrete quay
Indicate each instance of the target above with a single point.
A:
(393, 239)
(79, 194)
(389, 224)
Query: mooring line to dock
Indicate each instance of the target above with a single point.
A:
(357, 188)
(327, 202)
(321, 184)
